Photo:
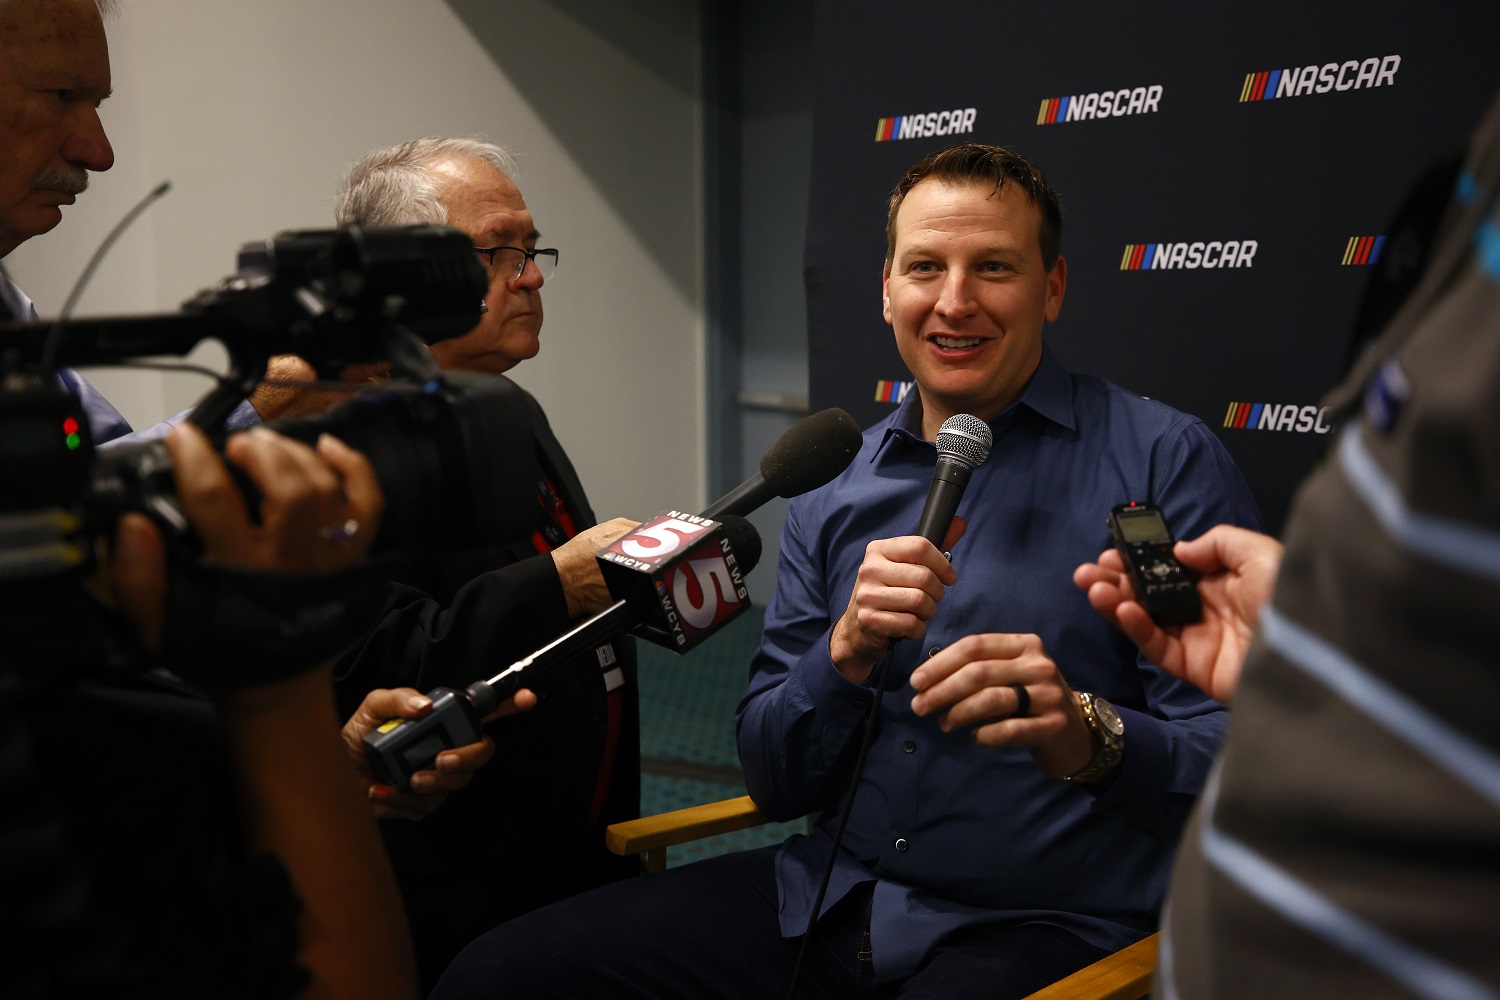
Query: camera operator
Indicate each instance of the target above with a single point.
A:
(170, 844)
(54, 73)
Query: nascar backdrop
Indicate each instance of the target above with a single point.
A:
(1230, 178)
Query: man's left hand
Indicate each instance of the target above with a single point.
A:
(970, 682)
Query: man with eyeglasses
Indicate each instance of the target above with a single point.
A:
(529, 829)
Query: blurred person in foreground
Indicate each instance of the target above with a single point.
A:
(1345, 845)
(166, 843)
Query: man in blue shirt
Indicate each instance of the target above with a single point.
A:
(1029, 772)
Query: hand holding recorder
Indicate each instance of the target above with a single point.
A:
(1237, 570)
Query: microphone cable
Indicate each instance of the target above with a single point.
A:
(963, 442)
(882, 675)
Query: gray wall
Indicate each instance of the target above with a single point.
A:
(254, 111)
(764, 172)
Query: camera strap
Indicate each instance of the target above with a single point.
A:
(231, 628)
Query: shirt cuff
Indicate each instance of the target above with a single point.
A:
(828, 690)
(1145, 763)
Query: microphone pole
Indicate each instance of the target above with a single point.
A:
(808, 455)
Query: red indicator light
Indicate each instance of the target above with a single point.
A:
(70, 426)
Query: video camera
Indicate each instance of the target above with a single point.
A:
(452, 451)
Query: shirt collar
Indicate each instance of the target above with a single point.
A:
(1049, 394)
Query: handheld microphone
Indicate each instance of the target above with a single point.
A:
(678, 578)
(963, 442)
(807, 456)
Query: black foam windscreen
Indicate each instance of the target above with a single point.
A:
(743, 539)
(812, 453)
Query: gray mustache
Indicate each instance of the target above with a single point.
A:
(70, 180)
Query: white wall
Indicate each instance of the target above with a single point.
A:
(254, 111)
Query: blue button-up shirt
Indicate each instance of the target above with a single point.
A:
(953, 833)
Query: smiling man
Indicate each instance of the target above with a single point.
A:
(977, 276)
(1029, 772)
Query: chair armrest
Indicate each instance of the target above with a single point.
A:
(652, 835)
(1125, 975)
(682, 825)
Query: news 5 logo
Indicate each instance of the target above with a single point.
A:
(696, 578)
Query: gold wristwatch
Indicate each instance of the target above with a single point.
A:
(1108, 730)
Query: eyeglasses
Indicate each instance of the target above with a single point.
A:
(515, 258)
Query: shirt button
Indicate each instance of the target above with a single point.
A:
(901, 844)
(934, 650)
(910, 746)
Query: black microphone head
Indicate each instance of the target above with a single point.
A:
(966, 439)
(812, 453)
(743, 539)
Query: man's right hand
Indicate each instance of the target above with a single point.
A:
(582, 582)
(1237, 572)
(895, 594)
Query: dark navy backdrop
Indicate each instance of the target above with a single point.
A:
(1302, 176)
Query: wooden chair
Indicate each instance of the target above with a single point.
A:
(1125, 975)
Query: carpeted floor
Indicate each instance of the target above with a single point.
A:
(688, 754)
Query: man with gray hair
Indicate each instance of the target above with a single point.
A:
(464, 183)
(54, 73)
(530, 828)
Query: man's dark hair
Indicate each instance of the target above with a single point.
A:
(973, 162)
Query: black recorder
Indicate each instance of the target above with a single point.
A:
(1162, 586)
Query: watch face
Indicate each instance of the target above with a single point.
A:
(1108, 717)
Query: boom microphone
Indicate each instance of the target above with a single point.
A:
(678, 579)
(807, 456)
(963, 442)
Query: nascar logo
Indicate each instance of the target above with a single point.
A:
(891, 392)
(1362, 250)
(1355, 74)
(1103, 104)
(1277, 417)
(1172, 256)
(932, 123)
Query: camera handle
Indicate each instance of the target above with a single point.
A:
(248, 360)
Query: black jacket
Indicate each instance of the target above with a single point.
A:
(517, 837)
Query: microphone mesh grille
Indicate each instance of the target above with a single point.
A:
(965, 438)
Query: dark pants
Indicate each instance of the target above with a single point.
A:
(710, 930)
